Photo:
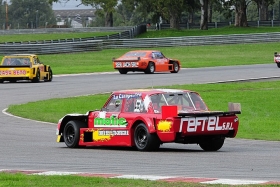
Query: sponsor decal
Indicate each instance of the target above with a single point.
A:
(105, 135)
(164, 125)
(126, 64)
(127, 96)
(109, 122)
(211, 123)
(96, 137)
(113, 133)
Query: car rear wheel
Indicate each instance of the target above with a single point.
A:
(37, 78)
(50, 77)
(176, 67)
(213, 144)
(1, 80)
(144, 141)
(278, 64)
(151, 68)
(71, 133)
(123, 71)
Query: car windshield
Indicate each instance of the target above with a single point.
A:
(135, 54)
(190, 101)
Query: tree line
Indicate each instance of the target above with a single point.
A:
(39, 13)
(174, 11)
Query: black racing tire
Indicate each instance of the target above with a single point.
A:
(123, 71)
(37, 78)
(278, 65)
(150, 68)
(50, 77)
(71, 133)
(13, 80)
(213, 144)
(144, 141)
(176, 67)
(1, 81)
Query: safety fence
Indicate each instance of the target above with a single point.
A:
(100, 44)
(270, 23)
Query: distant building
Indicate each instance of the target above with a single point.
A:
(76, 18)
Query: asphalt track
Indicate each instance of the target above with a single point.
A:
(31, 145)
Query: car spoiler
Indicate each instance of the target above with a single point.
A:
(19, 66)
(129, 59)
(172, 111)
(218, 113)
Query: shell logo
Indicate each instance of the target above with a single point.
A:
(164, 126)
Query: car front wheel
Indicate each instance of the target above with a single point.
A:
(71, 133)
(144, 141)
(176, 67)
(278, 64)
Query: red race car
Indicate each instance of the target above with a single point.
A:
(277, 59)
(148, 61)
(147, 118)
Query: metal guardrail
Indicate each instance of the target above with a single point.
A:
(192, 40)
(66, 30)
(94, 45)
(270, 23)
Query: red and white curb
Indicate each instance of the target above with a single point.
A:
(148, 177)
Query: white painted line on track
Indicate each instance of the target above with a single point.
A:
(144, 177)
(234, 181)
(4, 111)
(56, 173)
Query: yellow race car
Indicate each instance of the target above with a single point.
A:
(24, 67)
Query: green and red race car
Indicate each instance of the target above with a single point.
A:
(147, 118)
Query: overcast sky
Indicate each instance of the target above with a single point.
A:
(71, 4)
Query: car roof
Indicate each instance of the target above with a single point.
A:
(150, 51)
(30, 55)
(150, 91)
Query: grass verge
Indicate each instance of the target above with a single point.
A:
(259, 102)
(12, 180)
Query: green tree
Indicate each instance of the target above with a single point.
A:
(204, 14)
(30, 13)
(262, 6)
(105, 7)
(240, 7)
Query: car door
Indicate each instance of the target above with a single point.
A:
(111, 125)
(160, 61)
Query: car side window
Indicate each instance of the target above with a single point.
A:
(134, 105)
(114, 105)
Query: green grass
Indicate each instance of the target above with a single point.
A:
(12, 180)
(259, 102)
(190, 57)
